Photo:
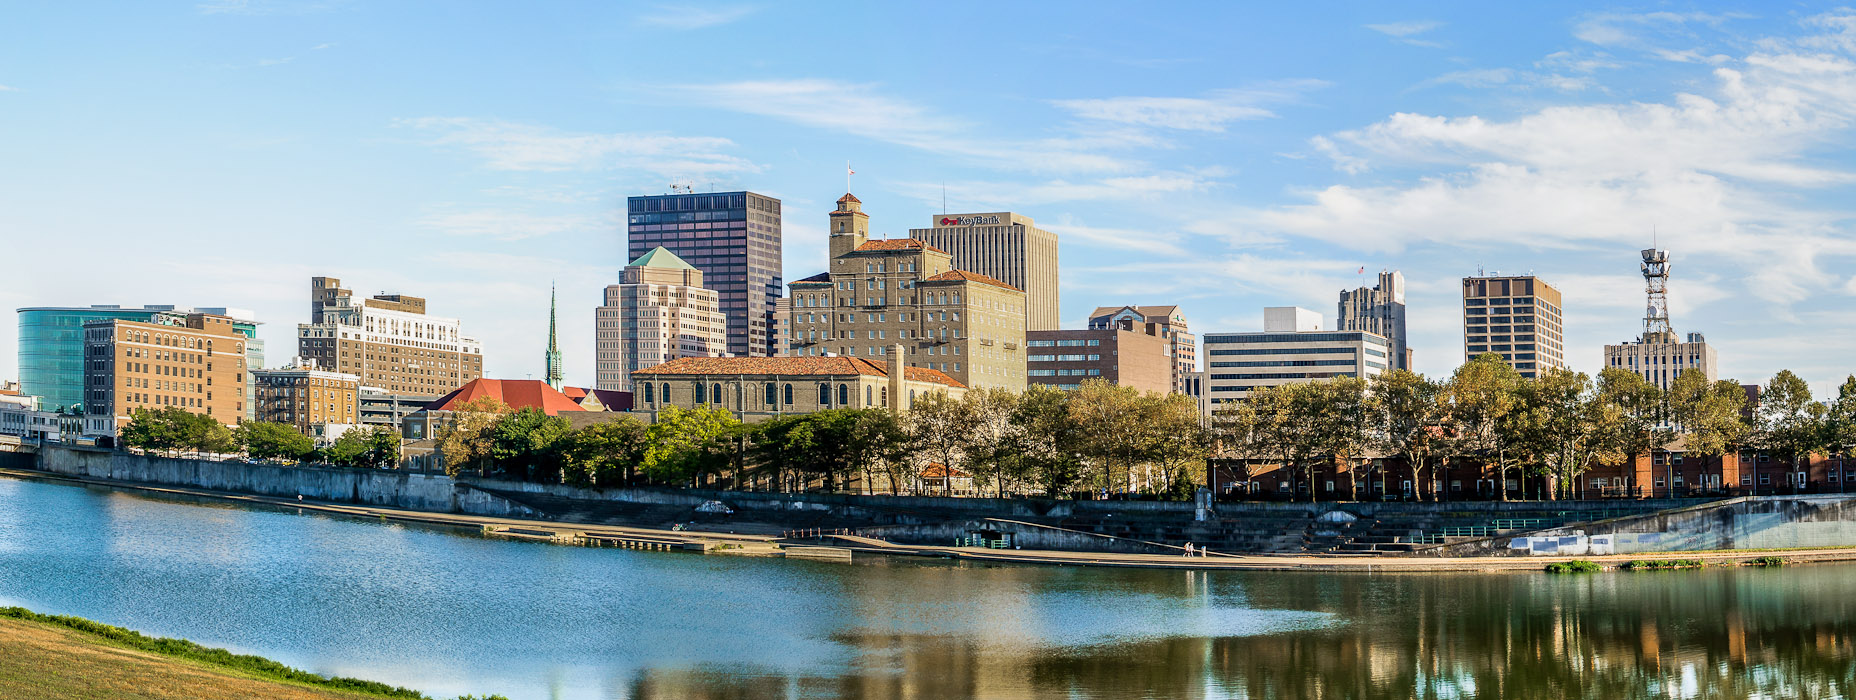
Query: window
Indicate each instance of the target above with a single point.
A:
(844, 394)
(869, 396)
(666, 392)
(824, 394)
(772, 395)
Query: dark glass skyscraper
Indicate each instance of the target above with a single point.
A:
(734, 238)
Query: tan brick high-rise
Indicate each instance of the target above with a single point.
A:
(884, 292)
(193, 361)
(1005, 246)
(389, 341)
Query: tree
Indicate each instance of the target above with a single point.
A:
(526, 444)
(603, 454)
(1478, 399)
(1108, 417)
(1406, 412)
(1563, 428)
(464, 438)
(685, 444)
(265, 440)
(1791, 424)
(938, 426)
(153, 429)
(1643, 412)
(1710, 415)
(1046, 441)
(992, 439)
(1178, 442)
(1336, 418)
(371, 448)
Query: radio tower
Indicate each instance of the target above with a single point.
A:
(1656, 284)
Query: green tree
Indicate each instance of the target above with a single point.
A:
(365, 447)
(938, 426)
(266, 440)
(1477, 401)
(603, 454)
(464, 437)
(1337, 424)
(992, 440)
(1108, 417)
(1791, 424)
(1406, 413)
(152, 430)
(685, 444)
(1643, 412)
(1178, 443)
(1046, 441)
(527, 445)
(1711, 415)
(1563, 428)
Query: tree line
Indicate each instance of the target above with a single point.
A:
(173, 430)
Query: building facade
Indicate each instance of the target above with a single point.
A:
(193, 361)
(880, 293)
(1164, 321)
(783, 327)
(1658, 355)
(761, 388)
(20, 417)
(1518, 318)
(307, 397)
(734, 239)
(51, 346)
(1120, 356)
(1006, 247)
(1380, 310)
(389, 341)
(658, 312)
(1292, 349)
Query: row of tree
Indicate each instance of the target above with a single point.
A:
(173, 430)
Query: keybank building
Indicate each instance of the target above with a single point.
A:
(51, 347)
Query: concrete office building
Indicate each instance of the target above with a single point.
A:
(308, 397)
(757, 388)
(658, 312)
(734, 239)
(51, 345)
(1658, 356)
(1007, 247)
(1379, 309)
(1291, 349)
(877, 293)
(1122, 356)
(1517, 317)
(1164, 321)
(192, 361)
(389, 341)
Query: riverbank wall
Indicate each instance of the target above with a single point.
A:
(1764, 522)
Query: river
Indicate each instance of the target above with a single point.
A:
(452, 613)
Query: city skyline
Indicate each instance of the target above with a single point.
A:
(1221, 165)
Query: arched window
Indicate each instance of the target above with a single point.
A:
(911, 399)
(844, 394)
(773, 395)
(789, 395)
(648, 398)
(824, 395)
(886, 396)
(869, 392)
(715, 391)
(666, 392)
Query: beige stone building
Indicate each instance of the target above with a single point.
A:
(389, 341)
(908, 293)
(757, 388)
(782, 327)
(307, 397)
(1379, 309)
(1518, 318)
(1007, 247)
(659, 312)
(1165, 322)
(194, 361)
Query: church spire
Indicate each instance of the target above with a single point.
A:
(554, 349)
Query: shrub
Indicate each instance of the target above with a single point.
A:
(1662, 564)
(1767, 561)
(1576, 566)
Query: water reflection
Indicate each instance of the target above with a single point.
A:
(453, 614)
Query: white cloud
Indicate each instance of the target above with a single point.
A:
(1477, 78)
(263, 7)
(686, 18)
(513, 146)
(1002, 195)
(1156, 240)
(8, 88)
(1629, 29)
(1407, 32)
(1210, 113)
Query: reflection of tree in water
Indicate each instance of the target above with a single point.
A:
(1727, 634)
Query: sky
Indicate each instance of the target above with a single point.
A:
(1219, 156)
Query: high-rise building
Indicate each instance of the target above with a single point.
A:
(734, 238)
(192, 361)
(1291, 349)
(883, 292)
(51, 346)
(1379, 309)
(1517, 317)
(782, 327)
(389, 341)
(1163, 321)
(1126, 356)
(307, 397)
(1658, 356)
(552, 359)
(659, 311)
(1007, 247)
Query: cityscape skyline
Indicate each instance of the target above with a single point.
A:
(1218, 178)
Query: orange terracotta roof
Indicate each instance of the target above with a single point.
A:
(896, 244)
(515, 393)
(937, 470)
(573, 392)
(848, 197)
(792, 367)
(964, 276)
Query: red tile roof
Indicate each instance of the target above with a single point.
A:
(896, 244)
(963, 275)
(515, 393)
(848, 197)
(792, 367)
(573, 392)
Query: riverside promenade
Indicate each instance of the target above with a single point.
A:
(751, 544)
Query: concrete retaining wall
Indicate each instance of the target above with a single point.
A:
(1767, 522)
(1022, 535)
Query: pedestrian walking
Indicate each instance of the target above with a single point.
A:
(1188, 549)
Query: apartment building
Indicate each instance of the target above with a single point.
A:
(306, 396)
(192, 361)
(1120, 356)
(389, 341)
(1165, 322)
(658, 312)
(1517, 317)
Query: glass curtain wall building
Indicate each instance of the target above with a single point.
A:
(51, 348)
(734, 238)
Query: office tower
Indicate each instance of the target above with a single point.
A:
(1379, 309)
(191, 361)
(734, 239)
(1517, 317)
(658, 312)
(1658, 356)
(1164, 321)
(881, 292)
(1291, 349)
(1126, 356)
(1007, 247)
(51, 346)
(389, 341)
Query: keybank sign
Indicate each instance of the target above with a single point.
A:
(969, 220)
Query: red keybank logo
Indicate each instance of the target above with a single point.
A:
(969, 220)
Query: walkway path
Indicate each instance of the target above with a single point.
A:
(1216, 561)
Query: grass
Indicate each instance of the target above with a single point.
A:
(59, 656)
(1662, 564)
(1576, 566)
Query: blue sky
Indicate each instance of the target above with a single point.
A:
(1224, 156)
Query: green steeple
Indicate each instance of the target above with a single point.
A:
(554, 349)
(661, 257)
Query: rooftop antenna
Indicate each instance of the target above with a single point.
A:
(944, 198)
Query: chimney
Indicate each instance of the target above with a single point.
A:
(898, 370)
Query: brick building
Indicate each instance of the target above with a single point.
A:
(193, 361)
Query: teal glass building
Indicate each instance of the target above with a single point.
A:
(51, 348)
